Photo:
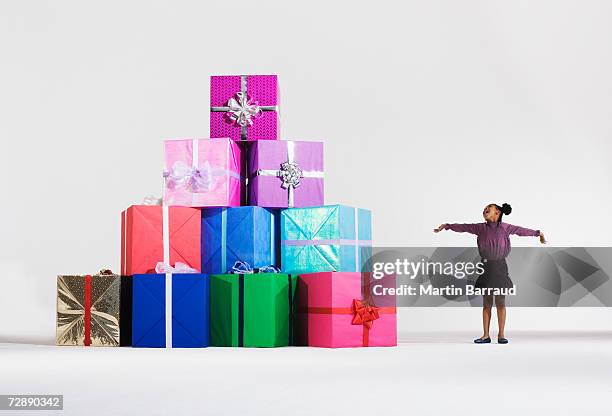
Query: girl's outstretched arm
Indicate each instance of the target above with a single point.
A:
(526, 232)
(522, 231)
(459, 228)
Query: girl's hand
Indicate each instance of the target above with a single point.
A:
(542, 239)
(440, 228)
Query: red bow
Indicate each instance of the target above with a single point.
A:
(364, 314)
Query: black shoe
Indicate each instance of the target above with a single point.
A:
(502, 341)
(482, 341)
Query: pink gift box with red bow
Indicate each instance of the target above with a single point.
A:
(335, 309)
(244, 107)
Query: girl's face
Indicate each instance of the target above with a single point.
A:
(491, 213)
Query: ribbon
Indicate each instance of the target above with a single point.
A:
(364, 314)
(291, 317)
(193, 179)
(290, 173)
(356, 239)
(241, 310)
(151, 200)
(168, 310)
(87, 307)
(242, 267)
(272, 239)
(163, 268)
(328, 242)
(223, 238)
(124, 242)
(168, 282)
(241, 110)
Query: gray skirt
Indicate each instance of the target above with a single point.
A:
(495, 275)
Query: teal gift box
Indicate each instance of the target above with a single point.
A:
(330, 238)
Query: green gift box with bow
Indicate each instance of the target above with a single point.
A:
(251, 309)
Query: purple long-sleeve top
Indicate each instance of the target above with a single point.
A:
(493, 237)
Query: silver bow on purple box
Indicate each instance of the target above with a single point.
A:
(290, 173)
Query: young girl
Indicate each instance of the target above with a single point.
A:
(493, 246)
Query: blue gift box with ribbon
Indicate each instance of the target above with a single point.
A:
(242, 234)
(330, 238)
(170, 310)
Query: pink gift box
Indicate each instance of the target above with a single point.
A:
(331, 313)
(202, 173)
(244, 107)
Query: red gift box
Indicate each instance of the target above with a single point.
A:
(144, 229)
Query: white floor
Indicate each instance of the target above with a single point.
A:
(428, 374)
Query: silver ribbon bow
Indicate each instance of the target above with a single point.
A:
(151, 200)
(242, 110)
(163, 268)
(290, 173)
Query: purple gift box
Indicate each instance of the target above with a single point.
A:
(285, 174)
(244, 107)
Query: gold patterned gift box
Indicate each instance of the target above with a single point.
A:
(94, 310)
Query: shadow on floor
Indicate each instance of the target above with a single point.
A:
(452, 337)
(27, 340)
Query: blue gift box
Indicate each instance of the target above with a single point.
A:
(188, 308)
(325, 239)
(244, 234)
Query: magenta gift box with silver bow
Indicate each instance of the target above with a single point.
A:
(285, 173)
(202, 173)
(244, 107)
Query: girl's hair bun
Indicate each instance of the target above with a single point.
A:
(506, 209)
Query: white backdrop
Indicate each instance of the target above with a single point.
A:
(429, 110)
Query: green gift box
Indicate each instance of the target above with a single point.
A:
(251, 309)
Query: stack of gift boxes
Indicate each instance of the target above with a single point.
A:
(240, 252)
